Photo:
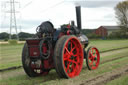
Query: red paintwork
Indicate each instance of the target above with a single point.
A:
(68, 26)
(33, 51)
(68, 32)
(44, 48)
(94, 53)
(73, 57)
(33, 47)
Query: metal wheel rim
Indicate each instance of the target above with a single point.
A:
(93, 58)
(72, 57)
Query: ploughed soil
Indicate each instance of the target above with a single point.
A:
(109, 76)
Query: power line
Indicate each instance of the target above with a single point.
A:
(27, 4)
(52, 6)
(47, 9)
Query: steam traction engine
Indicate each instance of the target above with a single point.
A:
(62, 49)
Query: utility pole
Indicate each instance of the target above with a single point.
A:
(13, 23)
(10, 7)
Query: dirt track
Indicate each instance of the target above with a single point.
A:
(102, 79)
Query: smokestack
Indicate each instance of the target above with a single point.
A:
(78, 17)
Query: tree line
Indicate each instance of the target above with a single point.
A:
(22, 36)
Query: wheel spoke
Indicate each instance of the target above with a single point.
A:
(92, 50)
(78, 60)
(71, 56)
(91, 63)
(90, 58)
(95, 55)
(93, 58)
(71, 45)
(95, 61)
(90, 53)
(67, 68)
(73, 49)
(72, 67)
(66, 59)
(75, 55)
(72, 61)
(67, 51)
(77, 68)
(66, 56)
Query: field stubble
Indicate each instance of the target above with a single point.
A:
(14, 77)
(11, 56)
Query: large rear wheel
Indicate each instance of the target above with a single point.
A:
(68, 57)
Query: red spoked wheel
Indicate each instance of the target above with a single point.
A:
(32, 68)
(68, 57)
(93, 58)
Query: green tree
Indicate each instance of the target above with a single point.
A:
(22, 35)
(4, 35)
(25, 35)
(122, 15)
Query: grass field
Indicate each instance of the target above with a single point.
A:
(10, 55)
(18, 77)
(104, 45)
(121, 81)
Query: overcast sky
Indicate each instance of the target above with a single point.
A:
(32, 12)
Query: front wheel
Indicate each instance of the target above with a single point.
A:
(93, 58)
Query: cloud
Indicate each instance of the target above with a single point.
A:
(30, 23)
(94, 3)
(94, 13)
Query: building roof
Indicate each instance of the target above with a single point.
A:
(111, 27)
